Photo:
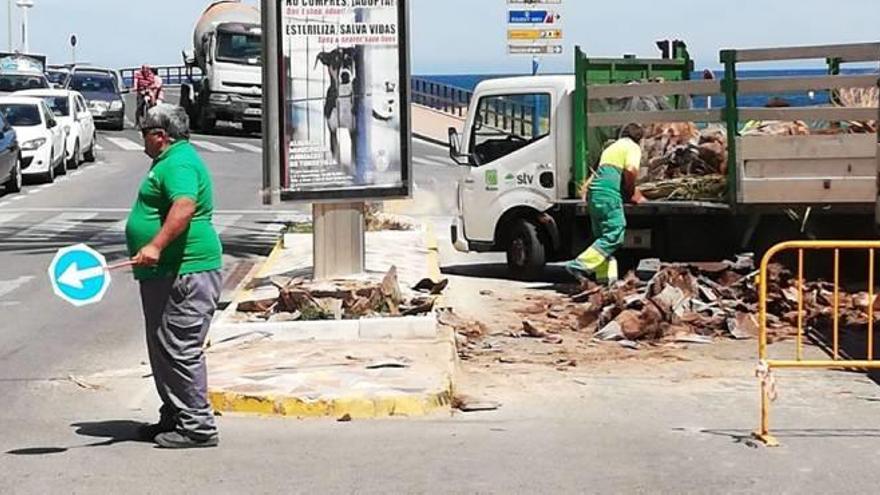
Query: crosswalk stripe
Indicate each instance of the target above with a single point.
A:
(209, 146)
(126, 144)
(56, 225)
(223, 222)
(426, 161)
(247, 147)
(99, 147)
(8, 217)
(114, 233)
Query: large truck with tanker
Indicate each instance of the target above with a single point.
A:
(529, 143)
(227, 48)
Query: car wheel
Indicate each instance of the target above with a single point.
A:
(75, 158)
(62, 163)
(49, 176)
(89, 155)
(252, 127)
(526, 252)
(15, 178)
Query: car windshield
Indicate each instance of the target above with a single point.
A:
(21, 114)
(93, 83)
(59, 105)
(18, 82)
(239, 48)
(57, 76)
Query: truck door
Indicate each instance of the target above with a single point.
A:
(509, 148)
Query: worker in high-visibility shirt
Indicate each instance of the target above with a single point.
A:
(612, 183)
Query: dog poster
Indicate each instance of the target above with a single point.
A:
(345, 99)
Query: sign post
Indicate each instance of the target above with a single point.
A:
(73, 41)
(342, 116)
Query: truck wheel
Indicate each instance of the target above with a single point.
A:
(526, 253)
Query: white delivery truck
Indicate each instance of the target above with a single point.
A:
(528, 144)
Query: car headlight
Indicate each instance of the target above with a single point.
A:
(116, 105)
(219, 98)
(33, 144)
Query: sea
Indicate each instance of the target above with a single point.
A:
(469, 82)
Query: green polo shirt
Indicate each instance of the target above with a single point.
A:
(177, 173)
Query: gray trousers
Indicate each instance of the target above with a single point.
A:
(178, 313)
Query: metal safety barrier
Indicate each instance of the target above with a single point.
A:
(767, 365)
(172, 75)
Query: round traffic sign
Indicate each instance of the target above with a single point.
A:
(72, 40)
(79, 275)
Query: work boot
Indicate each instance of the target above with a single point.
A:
(577, 270)
(147, 433)
(176, 440)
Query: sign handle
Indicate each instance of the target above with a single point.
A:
(124, 264)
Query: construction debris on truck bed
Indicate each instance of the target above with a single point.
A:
(302, 300)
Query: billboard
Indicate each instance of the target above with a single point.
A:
(344, 100)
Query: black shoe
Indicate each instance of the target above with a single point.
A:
(175, 440)
(148, 433)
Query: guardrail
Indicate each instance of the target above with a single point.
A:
(441, 97)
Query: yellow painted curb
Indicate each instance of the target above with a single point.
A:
(355, 407)
(264, 269)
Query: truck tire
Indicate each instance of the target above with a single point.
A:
(526, 250)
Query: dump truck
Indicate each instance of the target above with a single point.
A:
(528, 145)
(227, 47)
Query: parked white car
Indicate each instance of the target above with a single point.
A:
(39, 134)
(72, 113)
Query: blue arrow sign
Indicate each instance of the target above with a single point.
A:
(531, 17)
(79, 275)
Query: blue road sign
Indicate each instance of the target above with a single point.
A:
(79, 275)
(530, 17)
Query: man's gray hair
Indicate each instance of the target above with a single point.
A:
(171, 118)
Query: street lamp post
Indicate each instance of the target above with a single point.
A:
(24, 5)
(9, 23)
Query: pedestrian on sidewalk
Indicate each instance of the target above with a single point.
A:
(612, 183)
(177, 258)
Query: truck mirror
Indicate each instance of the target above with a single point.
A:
(455, 146)
(478, 122)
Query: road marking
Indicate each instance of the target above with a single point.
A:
(247, 147)
(99, 147)
(9, 286)
(113, 234)
(56, 225)
(429, 162)
(209, 146)
(8, 217)
(126, 144)
(223, 222)
(15, 198)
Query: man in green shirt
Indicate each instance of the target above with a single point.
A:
(177, 259)
(613, 183)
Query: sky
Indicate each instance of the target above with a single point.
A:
(468, 36)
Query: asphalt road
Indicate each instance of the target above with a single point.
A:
(577, 432)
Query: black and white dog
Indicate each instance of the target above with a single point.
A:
(339, 104)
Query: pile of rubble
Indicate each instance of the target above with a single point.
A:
(693, 303)
(302, 300)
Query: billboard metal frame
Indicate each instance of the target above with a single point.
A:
(364, 193)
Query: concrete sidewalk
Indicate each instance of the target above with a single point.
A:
(433, 126)
(372, 367)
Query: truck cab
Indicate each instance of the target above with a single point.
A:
(516, 148)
